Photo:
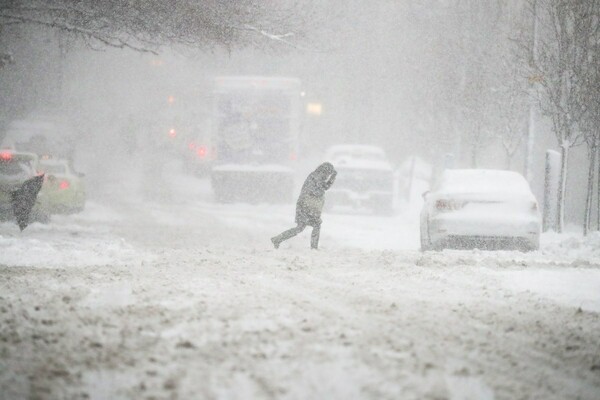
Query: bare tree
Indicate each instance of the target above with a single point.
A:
(590, 125)
(458, 90)
(511, 99)
(480, 67)
(562, 53)
(593, 143)
(146, 25)
(511, 129)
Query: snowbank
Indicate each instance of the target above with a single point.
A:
(572, 287)
(572, 245)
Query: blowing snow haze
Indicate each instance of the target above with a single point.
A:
(175, 138)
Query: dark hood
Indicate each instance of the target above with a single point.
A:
(325, 169)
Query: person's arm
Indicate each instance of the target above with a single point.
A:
(330, 180)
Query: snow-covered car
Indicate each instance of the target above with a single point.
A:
(365, 178)
(64, 189)
(486, 209)
(15, 169)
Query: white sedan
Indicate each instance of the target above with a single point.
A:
(485, 209)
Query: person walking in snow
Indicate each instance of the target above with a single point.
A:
(310, 204)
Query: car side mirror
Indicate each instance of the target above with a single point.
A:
(424, 195)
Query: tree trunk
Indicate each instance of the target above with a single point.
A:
(587, 215)
(562, 187)
(598, 184)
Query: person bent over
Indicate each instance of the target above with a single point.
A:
(310, 205)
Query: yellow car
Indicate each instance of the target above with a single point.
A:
(63, 190)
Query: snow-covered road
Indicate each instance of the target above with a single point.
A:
(179, 297)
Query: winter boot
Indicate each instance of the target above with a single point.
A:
(275, 242)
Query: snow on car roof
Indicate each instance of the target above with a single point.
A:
(356, 148)
(354, 163)
(482, 181)
(358, 156)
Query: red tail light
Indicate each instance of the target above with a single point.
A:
(64, 185)
(201, 151)
(172, 132)
(5, 156)
(449, 205)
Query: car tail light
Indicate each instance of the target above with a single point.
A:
(172, 132)
(449, 205)
(201, 151)
(64, 185)
(5, 156)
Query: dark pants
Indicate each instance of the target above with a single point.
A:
(290, 233)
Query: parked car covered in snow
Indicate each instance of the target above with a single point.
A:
(365, 178)
(486, 209)
(64, 189)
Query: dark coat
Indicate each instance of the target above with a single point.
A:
(312, 196)
(23, 199)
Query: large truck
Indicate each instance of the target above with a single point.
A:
(255, 138)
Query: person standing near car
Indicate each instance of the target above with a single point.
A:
(310, 205)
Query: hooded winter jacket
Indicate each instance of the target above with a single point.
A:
(312, 196)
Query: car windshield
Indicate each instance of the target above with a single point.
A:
(364, 180)
(482, 181)
(54, 169)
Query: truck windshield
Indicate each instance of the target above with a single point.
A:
(254, 126)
